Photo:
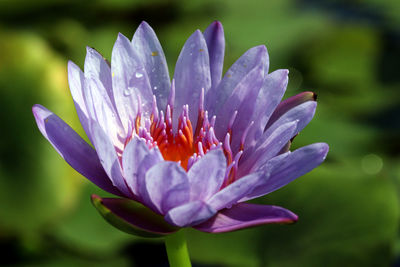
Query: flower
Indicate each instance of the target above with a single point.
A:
(186, 153)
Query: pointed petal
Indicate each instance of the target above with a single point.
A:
(254, 57)
(132, 217)
(215, 39)
(101, 110)
(167, 186)
(289, 167)
(189, 214)
(268, 148)
(302, 113)
(246, 215)
(76, 80)
(240, 100)
(207, 175)
(192, 73)
(229, 195)
(289, 104)
(129, 80)
(109, 159)
(151, 159)
(133, 158)
(270, 95)
(74, 150)
(97, 67)
(150, 52)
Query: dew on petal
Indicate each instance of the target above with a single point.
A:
(138, 75)
(128, 91)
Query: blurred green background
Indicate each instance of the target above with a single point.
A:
(348, 52)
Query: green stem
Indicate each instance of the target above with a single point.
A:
(177, 251)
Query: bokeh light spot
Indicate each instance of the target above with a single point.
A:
(371, 164)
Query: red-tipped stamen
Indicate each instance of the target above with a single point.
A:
(185, 146)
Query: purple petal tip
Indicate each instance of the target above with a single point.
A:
(324, 150)
(121, 36)
(144, 24)
(217, 23)
(262, 48)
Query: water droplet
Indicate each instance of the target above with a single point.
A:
(139, 75)
(128, 91)
(155, 88)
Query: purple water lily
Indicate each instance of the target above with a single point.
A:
(186, 153)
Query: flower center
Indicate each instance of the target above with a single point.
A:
(174, 147)
(185, 145)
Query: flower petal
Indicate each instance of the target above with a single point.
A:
(241, 99)
(109, 159)
(76, 80)
(132, 217)
(74, 150)
(96, 66)
(192, 74)
(130, 81)
(229, 195)
(148, 161)
(269, 148)
(189, 214)
(133, 158)
(167, 186)
(270, 95)
(101, 110)
(246, 215)
(302, 113)
(207, 175)
(287, 167)
(216, 98)
(150, 52)
(215, 39)
(289, 104)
